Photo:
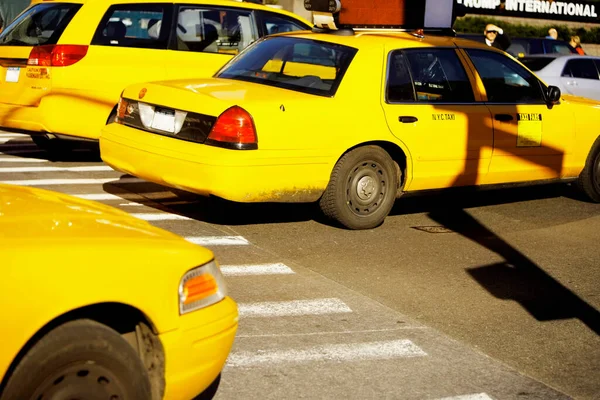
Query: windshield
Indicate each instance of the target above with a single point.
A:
(303, 65)
(41, 24)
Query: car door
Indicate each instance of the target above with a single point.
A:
(430, 105)
(580, 77)
(531, 138)
(207, 37)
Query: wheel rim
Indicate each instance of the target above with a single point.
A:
(366, 188)
(82, 381)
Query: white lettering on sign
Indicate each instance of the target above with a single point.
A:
(536, 6)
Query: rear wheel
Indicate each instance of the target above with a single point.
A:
(52, 145)
(589, 179)
(80, 360)
(362, 188)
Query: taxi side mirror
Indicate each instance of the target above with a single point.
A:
(553, 94)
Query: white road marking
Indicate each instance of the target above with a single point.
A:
(293, 308)
(9, 134)
(89, 168)
(49, 182)
(131, 205)
(218, 240)
(16, 138)
(160, 217)
(100, 196)
(333, 352)
(257, 269)
(479, 396)
(127, 196)
(22, 160)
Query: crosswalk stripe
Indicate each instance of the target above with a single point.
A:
(478, 396)
(100, 196)
(8, 134)
(257, 269)
(22, 160)
(218, 240)
(293, 308)
(159, 216)
(334, 352)
(92, 168)
(16, 138)
(82, 181)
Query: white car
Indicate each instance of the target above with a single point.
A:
(573, 74)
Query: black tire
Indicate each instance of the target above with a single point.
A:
(53, 146)
(81, 359)
(589, 179)
(211, 391)
(362, 188)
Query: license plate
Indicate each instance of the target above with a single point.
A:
(12, 74)
(164, 121)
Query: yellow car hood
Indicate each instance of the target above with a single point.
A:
(28, 213)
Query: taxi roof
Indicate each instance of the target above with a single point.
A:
(227, 3)
(387, 38)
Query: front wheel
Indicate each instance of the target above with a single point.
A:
(589, 180)
(362, 188)
(79, 360)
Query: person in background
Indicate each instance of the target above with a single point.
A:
(495, 37)
(552, 34)
(575, 43)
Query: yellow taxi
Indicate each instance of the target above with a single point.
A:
(97, 304)
(64, 63)
(354, 119)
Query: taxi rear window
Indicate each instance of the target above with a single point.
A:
(302, 65)
(39, 25)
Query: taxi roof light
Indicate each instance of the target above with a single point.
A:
(56, 55)
(234, 129)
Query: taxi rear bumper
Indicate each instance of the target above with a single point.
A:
(237, 175)
(58, 114)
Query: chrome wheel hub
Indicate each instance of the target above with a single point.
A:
(366, 187)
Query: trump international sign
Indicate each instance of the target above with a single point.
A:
(580, 11)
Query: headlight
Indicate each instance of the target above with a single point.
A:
(201, 287)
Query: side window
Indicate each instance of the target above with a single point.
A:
(214, 30)
(399, 85)
(135, 25)
(41, 24)
(273, 23)
(506, 81)
(584, 69)
(557, 47)
(439, 76)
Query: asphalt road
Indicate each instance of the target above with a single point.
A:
(469, 295)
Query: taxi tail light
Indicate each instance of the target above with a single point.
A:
(234, 129)
(60, 55)
(201, 287)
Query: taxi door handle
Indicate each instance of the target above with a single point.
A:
(503, 117)
(407, 120)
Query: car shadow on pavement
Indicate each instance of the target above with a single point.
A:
(83, 152)
(518, 278)
(473, 197)
(212, 210)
